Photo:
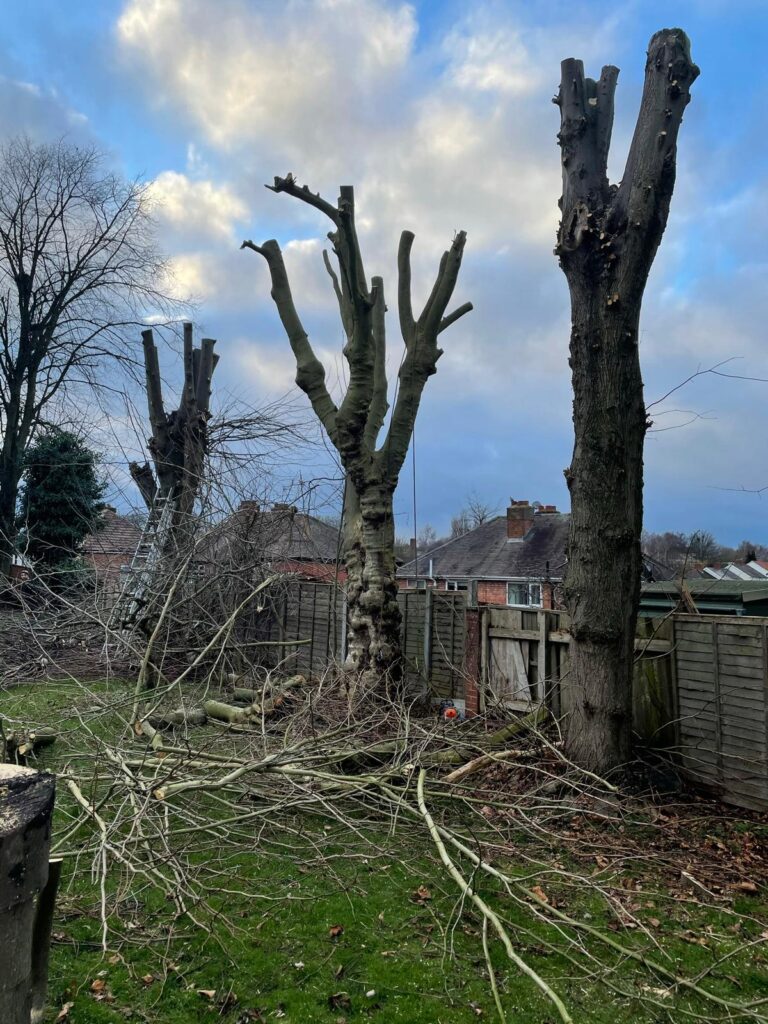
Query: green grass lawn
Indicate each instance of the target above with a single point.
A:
(313, 923)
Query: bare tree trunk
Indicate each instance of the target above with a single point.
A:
(607, 241)
(354, 426)
(26, 806)
(373, 634)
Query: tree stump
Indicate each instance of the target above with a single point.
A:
(26, 809)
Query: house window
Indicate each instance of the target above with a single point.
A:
(456, 585)
(524, 595)
(418, 584)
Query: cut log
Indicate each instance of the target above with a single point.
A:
(169, 719)
(22, 742)
(247, 694)
(26, 808)
(226, 713)
(276, 704)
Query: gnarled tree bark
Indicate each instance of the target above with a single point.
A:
(607, 241)
(372, 470)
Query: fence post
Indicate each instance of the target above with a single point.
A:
(26, 797)
(541, 659)
(472, 672)
(427, 634)
(343, 643)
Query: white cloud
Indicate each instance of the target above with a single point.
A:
(197, 208)
(301, 70)
(496, 60)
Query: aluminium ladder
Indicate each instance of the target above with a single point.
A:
(143, 566)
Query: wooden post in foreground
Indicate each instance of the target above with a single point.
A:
(26, 809)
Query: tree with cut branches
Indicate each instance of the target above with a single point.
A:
(353, 426)
(78, 269)
(606, 243)
(179, 441)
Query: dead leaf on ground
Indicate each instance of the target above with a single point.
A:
(336, 930)
(340, 1001)
(421, 895)
(746, 886)
(207, 993)
(63, 1013)
(538, 891)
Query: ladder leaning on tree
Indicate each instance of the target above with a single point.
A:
(144, 565)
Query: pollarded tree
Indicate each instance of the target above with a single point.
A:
(60, 496)
(607, 241)
(372, 469)
(179, 441)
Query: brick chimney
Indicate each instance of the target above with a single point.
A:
(546, 510)
(250, 506)
(519, 519)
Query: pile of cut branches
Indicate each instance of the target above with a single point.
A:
(533, 845)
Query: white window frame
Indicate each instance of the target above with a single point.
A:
(456, 585)
(533, 590)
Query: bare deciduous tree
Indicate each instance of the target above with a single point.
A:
(607, 241)
(354, 426)
(474, 514)
(77, 268)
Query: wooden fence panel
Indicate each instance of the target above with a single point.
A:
(303, 632)
(448, 632)
(722, 674)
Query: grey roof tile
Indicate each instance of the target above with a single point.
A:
(486, 553)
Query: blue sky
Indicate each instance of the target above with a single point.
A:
(440, 115)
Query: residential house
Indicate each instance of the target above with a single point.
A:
(517, 559)
(280, 539)
(110, 549)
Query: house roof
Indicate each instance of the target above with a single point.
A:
(486, 552)
(736, 571)
(118, 536)
(702, 587)
(280, 534)
(730, 596)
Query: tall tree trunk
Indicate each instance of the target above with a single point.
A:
(11, 456)
(9, 489)
(607, 240)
